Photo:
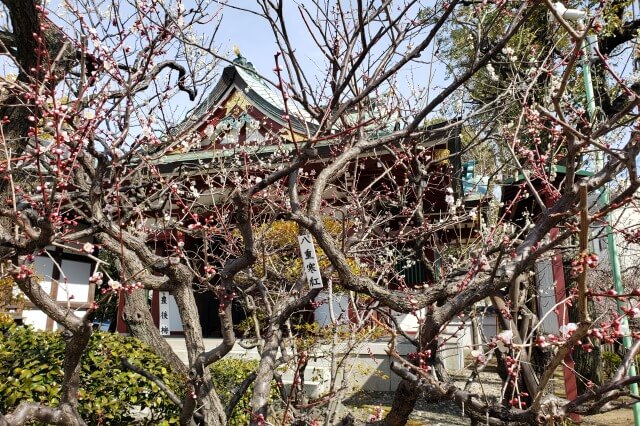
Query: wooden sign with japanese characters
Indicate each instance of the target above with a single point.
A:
(164, 313)
(310, 261)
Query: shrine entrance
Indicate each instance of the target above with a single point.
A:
(208, 306)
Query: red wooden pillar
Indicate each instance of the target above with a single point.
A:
(155, 307)
(562, 312)
(121, 326)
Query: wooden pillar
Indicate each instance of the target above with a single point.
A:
(562, 312)
(121, 326)
(155, 307)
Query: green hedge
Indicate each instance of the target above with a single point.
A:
(227, 375)
(31, 370)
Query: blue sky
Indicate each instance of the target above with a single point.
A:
(255, 39)
(253, 35)
(250, 33)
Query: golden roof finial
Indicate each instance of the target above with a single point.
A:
(236, 50)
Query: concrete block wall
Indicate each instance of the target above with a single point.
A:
(370, 369)
(369, 366)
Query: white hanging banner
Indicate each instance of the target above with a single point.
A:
(310, 261)
(164, 313)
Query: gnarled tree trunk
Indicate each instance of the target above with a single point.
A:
(262, 384)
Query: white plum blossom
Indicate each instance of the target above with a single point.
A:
(96, 278)
(568, 329)
(505, 337)
(541, 341)
(510, 54)
(492, 73)
(633, 312)
(449, 199)
(478, 357)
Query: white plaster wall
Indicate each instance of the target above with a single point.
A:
(35, 318)
(628, 220)
(547, 296)
(43, 268)
(175, 323)
(76, 285)
(410, 322)
(340, 308)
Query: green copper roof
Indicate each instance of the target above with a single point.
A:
(559, 169)
(243, 77)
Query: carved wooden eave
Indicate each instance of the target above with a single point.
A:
(241, 90)
(242, 102)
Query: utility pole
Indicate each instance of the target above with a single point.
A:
(612, 248)
(588, 42)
